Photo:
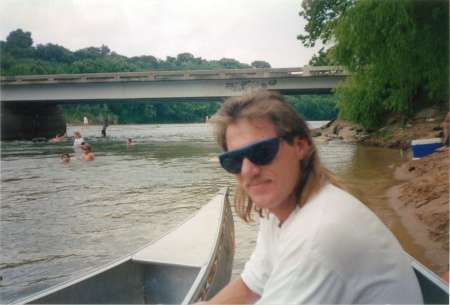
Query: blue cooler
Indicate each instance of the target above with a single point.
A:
(424, 147)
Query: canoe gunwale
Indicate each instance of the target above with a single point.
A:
(202, 276)
(430, 275)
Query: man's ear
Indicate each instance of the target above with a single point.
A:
(301, 146)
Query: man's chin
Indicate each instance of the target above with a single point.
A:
(262, 203)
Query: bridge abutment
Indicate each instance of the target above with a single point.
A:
(27, 121)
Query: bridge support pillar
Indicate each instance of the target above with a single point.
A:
(27, 121)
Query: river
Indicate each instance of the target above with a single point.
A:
(58, 219)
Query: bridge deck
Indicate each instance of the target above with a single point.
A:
(253, 73)
(189, 85)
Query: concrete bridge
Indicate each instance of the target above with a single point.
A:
(34, 98)
(189, 85)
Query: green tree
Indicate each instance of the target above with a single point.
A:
(260, 64)
(19, 44)
(397, 52)
(230, 63)
(322, 58)
(315, 107)
(91, 53)
(321, 17)
(54, 53)
(185, 57)
(145, 62)
(19, 39)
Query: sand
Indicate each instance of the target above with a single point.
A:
(422, 200)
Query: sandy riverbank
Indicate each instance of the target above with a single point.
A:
(422, 200)
(421, 196)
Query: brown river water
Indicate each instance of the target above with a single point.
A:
(59, 220)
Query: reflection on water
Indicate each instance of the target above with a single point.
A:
(61, 219)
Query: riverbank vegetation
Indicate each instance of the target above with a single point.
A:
(313, 107)
(396, 51)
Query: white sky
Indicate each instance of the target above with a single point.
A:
(245, 30)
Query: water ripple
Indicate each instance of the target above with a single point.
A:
(19, 179)
(4, 266)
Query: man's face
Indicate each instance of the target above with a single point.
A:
(269, 186)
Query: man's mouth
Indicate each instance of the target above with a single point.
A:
(258, 183)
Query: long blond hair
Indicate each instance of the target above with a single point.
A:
(272, 105)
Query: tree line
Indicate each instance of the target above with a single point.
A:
(19, 56)
(397, 53)
(312, 107)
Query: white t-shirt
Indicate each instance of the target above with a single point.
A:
(333, 250)
(77, 145)
(77, 142)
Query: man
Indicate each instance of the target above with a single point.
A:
(104, 126)
(316, 243)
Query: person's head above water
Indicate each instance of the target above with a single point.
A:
(86, 147)
(65, 157)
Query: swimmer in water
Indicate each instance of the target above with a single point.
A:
(87, 152)
(65, 158)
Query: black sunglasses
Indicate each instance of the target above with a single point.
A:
(259, 153)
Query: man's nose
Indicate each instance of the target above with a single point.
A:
(249, 168)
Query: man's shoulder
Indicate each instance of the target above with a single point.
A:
(342, 213)
(332, 192)
(349, 233)
(334, 202)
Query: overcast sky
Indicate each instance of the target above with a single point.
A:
(245, 30)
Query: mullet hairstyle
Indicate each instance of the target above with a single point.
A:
(288, 123)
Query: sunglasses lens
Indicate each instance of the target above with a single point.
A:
(260, 153)
(231, 163)
(263, 153)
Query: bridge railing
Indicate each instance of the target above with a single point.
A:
(306, 71)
